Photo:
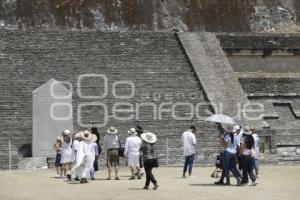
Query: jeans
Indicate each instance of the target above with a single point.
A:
(148, 166)
(96, 168)
(188, 163)
(247, 167)
(230, 165)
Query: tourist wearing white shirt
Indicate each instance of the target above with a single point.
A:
(132, 151)
(189, 141)
(256, 149)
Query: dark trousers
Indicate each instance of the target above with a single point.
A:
(148, 165)
(188, 163)
(247, 167)
(96, 168)
(230, 165)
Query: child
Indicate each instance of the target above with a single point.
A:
(57, 149)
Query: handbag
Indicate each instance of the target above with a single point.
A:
(120, 149)
(155, 160)
(253, 153)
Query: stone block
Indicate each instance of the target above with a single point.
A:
(33, 163)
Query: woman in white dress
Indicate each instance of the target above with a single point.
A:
(67, 157)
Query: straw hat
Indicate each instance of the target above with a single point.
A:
(236, 128)
(132, 131)
(66, 132)
(247, 130)
(149, 137)
(86, 135)
(112, 130)
(59, 138)
(93, 138)
(77, 135)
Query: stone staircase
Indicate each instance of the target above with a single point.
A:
(153, 62)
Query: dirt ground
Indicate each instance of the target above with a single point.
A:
(275, 182)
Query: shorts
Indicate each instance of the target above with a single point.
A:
(255, 163)
(112, 157)
(57, 160)
(133, 160)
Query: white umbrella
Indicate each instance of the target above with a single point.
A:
(220, 118)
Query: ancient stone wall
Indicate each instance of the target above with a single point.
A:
(152, 15)
(153, 62)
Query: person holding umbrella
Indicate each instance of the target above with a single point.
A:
(230, 143)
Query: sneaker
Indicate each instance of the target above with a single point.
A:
(83, 180)
(132, 178)
(253, 183)
(117, 178)
(69, 177)
(76, 179)
(108, 178)
(142, 174)
(155, 187)
(239, 182)
(219, 183)
(139, 177)
(93, 178)
(145, 188)
(243, 184)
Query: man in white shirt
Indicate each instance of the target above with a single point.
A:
(74, 171)
(256, 148)
(132, 151)
(238, 133)
(189, 142)
(84, 159)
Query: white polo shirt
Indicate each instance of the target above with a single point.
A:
(132, 145)
(189, 140)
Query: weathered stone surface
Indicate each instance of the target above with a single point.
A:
(216, 75)
(33, 163)
(52, 113)
(271, 86)
(116, 15)
(153, 62)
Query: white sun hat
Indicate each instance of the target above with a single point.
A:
(59, 138)
(247, 130)
(93, 138)
(86, 135)
(236, 128)
(112, 130)
(132, 131)
(66, 132)
(149, 137)
(77, 135)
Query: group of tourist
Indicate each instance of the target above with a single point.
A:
(77, 155)
(240, 146)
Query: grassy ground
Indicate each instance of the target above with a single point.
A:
(275, 182)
